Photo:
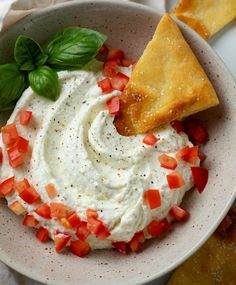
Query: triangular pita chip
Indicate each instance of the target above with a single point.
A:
(167, 83)
(206, 17)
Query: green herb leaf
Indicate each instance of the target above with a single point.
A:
(28, 54)
(12, 83)
(73, 48)
(44, 81)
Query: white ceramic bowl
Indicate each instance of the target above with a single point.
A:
(129, 27)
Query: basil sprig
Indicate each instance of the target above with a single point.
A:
(72, 48)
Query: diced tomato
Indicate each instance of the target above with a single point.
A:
(1, 155)
(74, 220)
(42, 234)
(82, 231)
(58, 210)
(121, 246)
(22, 185)
(22, 144)
(175, 180)
(64, 222)
(25, 117)
(30, 195)
(200, 177)
(202, 156)
(51, 190)
(103, 232)
(61, 241)
(9, 134)
(178, 126)
(30, 221)
(119, 81)
(113, 105)
(105, 85)
(152, 198)
(165, 224)
(167, 161)
(137, 241)
(196, 131)
(127, 62)
(157, 228)
(109, 68)
(7, 186)
(188, 154)
(17, 208)
(115, 54)
(95, 226)
(15, 157)
(179, 213)
(80, 248)
(150, 139)
(91, 214)
(103, 49)
(44, 211)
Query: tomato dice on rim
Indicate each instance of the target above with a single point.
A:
(25, 117)
(179, 213)
(61, 240)
(44, 211)
(74, 220)
(115, 54)
(137, 241)
(167, 161)
(105, 85)
(152, 198)
(30, 221)
(80, 248)
(121, 246)
(58, 210)
(119, 81)
(113, 105)
(178, 126)
(17, 208)
(9, 134)
(30, 195)
(42, 234)
(157, 228)
(109, 68)
(7, 186)
(175, 180)
(15, 157)
(200, 177)
(150, 139)
(82, 231)
(22, 144)
(22, 185)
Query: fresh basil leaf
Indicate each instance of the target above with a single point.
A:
(74, 47)
(28, 54)
(12, 83)
(44, 81)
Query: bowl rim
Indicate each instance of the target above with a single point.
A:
(128, 4)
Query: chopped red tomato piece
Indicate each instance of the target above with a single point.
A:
(17, 208)
(58, 210)
(202, 156)
(115, 54)
(15, 157)
(121, 246)
(61, 241)
(188, 154)
(119, 81)
(137, 241)
(178, 126)
(51, 190)
(103, 232)
(25, 117)
(175, 180)
(113, 105)
(91, 214)
(30, 221)
(80, 248)
(64, 222)
(42, 234)
(167, 161)
(157, 228)
(179, 213)
(22, 144)
(74, 220)
(105, 85)
(150, 139)
(103, 49)
(96, 226)
(9, 134)
(7, 186)
(109, 68)
(196, 131)
(200, 177)
(152, 198)
(44, 211)
(30, 195)
(1, 155)
(82, 231)
(127, 62)
(22, 185)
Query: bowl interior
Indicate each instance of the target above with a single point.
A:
(129, 27)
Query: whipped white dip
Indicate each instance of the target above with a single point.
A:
(75, 145)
